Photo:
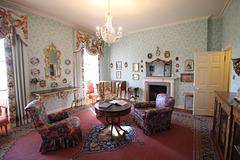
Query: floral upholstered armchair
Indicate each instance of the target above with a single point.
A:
(106, 90)
(153, 116)
(57, 129)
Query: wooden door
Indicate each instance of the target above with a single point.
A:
(209, 77)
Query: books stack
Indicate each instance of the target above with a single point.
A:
(118, 102)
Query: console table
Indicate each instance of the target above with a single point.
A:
(60, 92)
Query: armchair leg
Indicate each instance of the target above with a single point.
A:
(6, 129)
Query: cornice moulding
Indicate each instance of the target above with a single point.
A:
(46, 16)
(170, 24)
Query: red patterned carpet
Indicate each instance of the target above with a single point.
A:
(176, 143)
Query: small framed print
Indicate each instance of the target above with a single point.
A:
(151, 68)
(187, 77)
(166, 54)
(125, 64)
(118, 74)
(119, 65)
(135, 76)
(149, 55)
(135, 67)
(189, 65)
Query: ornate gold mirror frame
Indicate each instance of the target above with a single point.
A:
(150, 67)
(53, 62)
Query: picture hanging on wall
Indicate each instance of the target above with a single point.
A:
(118, 74)
(135, 67)
(119, 65)
(187, 77)
(135, 76)
(166, 54)
(189, 65)
(125, 64)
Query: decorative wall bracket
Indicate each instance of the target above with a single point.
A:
(236, 65)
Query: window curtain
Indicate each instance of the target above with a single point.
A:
(18, 81)
(93, 46)
(79, 75)
(14, 28)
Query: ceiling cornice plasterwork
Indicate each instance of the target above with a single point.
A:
(132, 25)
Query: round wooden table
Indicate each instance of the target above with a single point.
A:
(113, 112)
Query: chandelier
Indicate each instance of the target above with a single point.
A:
(108, 33)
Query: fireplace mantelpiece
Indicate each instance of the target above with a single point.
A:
(157, 80)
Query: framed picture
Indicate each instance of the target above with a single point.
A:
(151, 68)
(119, 65)
(188, 65)
(125, 64)
(135, 67)
(187, 77)
(135, 76)
(118, 74)
(166, 54)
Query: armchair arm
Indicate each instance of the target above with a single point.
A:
(54, 117)
(148, 104)
(58, 129)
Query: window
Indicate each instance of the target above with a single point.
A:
(3, 73)
(91, 70)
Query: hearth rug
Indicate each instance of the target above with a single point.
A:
(100, 141)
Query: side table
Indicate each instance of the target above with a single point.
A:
(186, 95)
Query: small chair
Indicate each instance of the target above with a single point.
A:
(57, 129)
(152, 116)
(90, 92)
(4, 118)
(107, 90)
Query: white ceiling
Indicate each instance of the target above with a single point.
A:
(131, 15)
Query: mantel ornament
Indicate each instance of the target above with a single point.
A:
(236, 65)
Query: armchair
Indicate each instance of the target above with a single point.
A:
(4, 118)
(57, 130)
(106, 90)
(153, 116)
(90, 92)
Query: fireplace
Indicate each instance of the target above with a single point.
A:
(154, 85)
(156, 88)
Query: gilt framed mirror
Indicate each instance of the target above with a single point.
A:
(53, 62)
(159, 68)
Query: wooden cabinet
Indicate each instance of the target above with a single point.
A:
(234, 149)
(223, 123)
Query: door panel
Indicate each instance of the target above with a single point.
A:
(208, 77)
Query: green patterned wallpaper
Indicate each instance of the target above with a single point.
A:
(42, 32)
(182, 40)
(215, 34)
(231, 35)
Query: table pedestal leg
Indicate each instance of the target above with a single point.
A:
(113, 124)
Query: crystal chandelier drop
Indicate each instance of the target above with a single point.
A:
(108, 33)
